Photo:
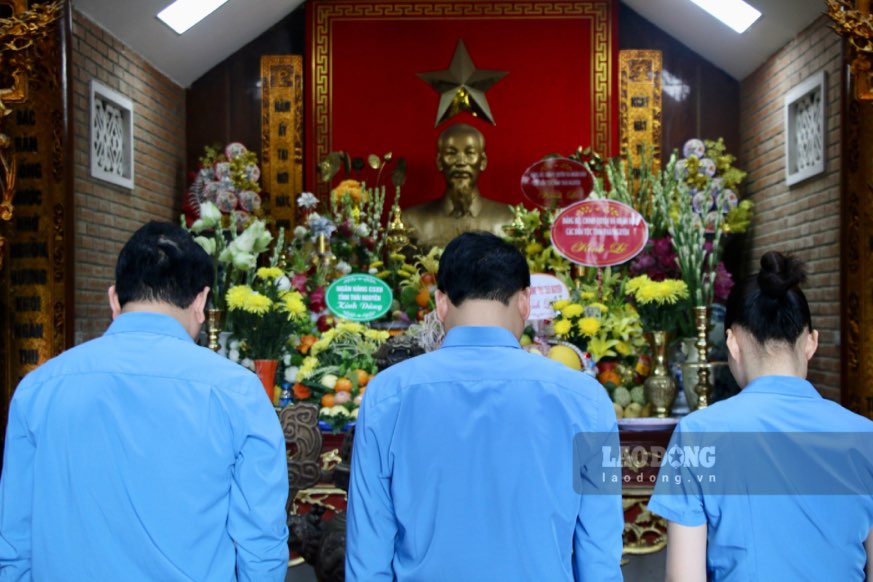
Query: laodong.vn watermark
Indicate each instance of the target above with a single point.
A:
(636, 459)
(721, 463)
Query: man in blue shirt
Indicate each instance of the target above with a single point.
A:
(139, 455)
(463, 463)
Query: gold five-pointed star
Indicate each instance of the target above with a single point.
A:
(462, 87)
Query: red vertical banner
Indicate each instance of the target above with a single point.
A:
(364, 94)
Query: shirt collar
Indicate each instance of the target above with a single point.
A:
(480, 336)
(783, 385)
(148, 322)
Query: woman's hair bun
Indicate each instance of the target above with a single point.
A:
(780, 273)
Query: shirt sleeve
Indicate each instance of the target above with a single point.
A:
(597, 541)
(371, 527)
(16, 498)
(677, 496)
(259, 491)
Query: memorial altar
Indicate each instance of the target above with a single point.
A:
(317, 289)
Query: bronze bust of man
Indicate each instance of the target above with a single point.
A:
(461, 158)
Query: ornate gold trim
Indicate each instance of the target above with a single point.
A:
(639, 105)
(854, 22)
(647, 533)
(282, 133)
(327, 13)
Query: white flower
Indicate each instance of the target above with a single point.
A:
(247, 363)
(362, 229)
(210, 214)
(234, 344)
(325, 411)
(283, 283)
(373, 271)
(244, 261)
(233, 355)
(343, 267)
(300, 232)
(291, 374)
(207, 244)
(286, 359)
(307, 200)
(354, 413)
(338, 410)
(198, 226)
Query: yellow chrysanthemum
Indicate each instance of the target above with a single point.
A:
(257, 303)
(307, 368)
(634, 284)
(572, 310)
(236, 296)
(269, 273)
(377, 335)
(319, 346)
(603, 308)
(563, 327)
(586, 295)
(294, 304)
(560, 304)
(350, 327)
(588, 326)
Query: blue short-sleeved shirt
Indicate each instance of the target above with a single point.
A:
(774, 514)
(463, 469)
(139, 456)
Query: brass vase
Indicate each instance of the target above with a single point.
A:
(659, 386)
(213, 327)
(704, 373)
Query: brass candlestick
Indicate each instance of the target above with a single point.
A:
(324, 256)
(213, 327)
(704, 382)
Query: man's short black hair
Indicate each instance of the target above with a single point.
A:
(162, 263)
(480, 265)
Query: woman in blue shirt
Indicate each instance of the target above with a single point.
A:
(786, 491)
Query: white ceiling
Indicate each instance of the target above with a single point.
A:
(737, 54)
(184, 58)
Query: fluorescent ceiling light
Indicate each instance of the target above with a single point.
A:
(735, 13)
(183, 14)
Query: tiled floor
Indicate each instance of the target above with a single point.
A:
(638, 569)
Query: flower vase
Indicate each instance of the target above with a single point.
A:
(213, 327)
(704, 380)
(266, 371)
(659, 386)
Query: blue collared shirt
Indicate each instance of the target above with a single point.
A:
(141, 456)
(463, 469)
(763, 523)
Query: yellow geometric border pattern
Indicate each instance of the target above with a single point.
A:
(601, 48)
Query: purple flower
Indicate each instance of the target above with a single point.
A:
(723, 283)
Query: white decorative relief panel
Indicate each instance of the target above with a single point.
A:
(805, 129)
(111, 136)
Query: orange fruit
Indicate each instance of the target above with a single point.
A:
(301, 391)
(362, 376)
(422, 298)
(328, 400)
(608, 376)
(343, 385)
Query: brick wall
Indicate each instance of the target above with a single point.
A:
(106, 215)
(802, 219)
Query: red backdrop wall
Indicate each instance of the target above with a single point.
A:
(364, 95)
